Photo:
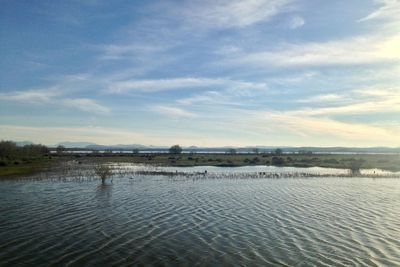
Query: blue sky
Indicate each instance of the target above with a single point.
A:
(206, 73)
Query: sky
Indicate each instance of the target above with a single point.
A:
(204, 73)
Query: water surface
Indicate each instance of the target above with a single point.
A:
(154, 220)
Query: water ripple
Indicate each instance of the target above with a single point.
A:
(208, 222)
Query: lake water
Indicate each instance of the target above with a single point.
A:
(158, 221)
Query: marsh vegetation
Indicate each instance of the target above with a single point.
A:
(16, 160)
(389, 162)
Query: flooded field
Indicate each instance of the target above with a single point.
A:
(160, 220)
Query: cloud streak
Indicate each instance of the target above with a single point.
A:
(232, 13)
(352, 51)
(53, 97)
(369, 101)
(355, 132)
(389, 9)
(86, 104)
(156, 85)
(173, 112)
(30, 96)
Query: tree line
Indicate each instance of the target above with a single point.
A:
(10, 150)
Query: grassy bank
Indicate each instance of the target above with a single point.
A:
(17, 160)
(23, 166)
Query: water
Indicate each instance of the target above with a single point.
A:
(157, 221)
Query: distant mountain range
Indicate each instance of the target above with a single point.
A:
(93, 146)
(75, 144)
(23, 143)
(127, 147)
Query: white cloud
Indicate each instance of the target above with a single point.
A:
(296, 22)
(209, 97)
(233, 13)
(320, 126)
(30, 96)
(173, 112)
(53, 97)
(354, 132)
(357, 50)
(156, 85)
(389, 9)
(227, 97)
(365, 101)
(293, 79)
(322, 98)
(86, 104)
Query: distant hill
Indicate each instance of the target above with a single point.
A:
(68, 144)
(23, 143)
(125, 147)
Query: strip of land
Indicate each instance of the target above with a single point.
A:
(388, 162)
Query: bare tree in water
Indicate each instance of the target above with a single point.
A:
(355, 166)
(103, 171)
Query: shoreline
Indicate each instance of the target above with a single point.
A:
(337, 161)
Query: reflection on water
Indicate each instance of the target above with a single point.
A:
(103, 195)
(211, 222)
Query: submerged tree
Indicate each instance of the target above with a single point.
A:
(103, 171)
(355, 166)
(175, 149)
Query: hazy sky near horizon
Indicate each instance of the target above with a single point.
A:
(206, 73)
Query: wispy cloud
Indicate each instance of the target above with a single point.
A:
(388, 9)
(322, 98)
(86, 104)
(224, 98)
(232, 13)
(173, 112)
(332, 121)
(30, 96)
(296, 22)
(156, 85)
(209, 97)
(293, 79)
(364, 101)
(53, 96)
(356, 50)
(311, 126)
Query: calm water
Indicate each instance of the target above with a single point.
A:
(156, 221)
